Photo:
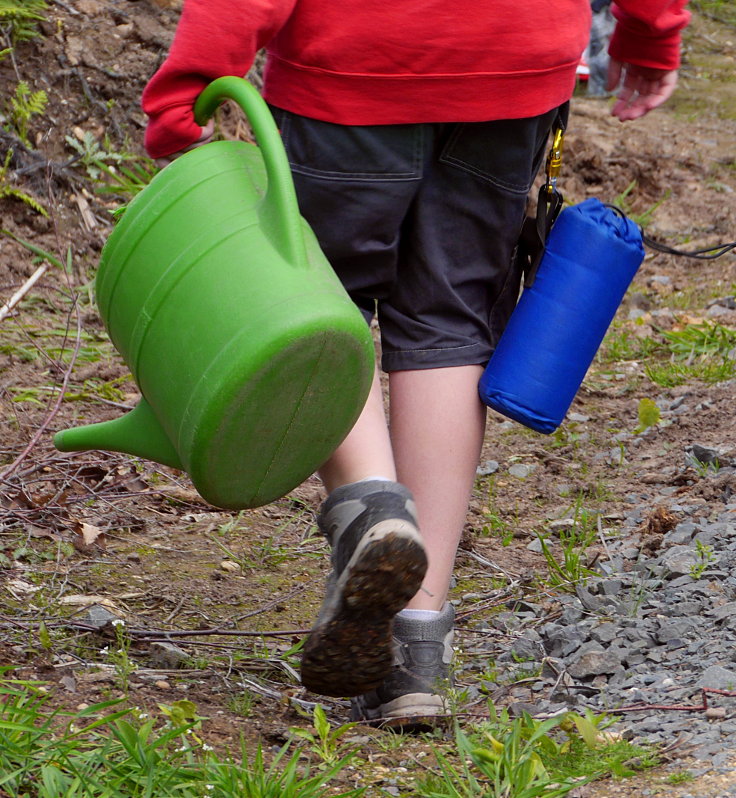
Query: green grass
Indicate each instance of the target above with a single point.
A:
(528, 758)
(569, 569)
(683, 777)
(623, 345)
(107, 752)
(703, 352)
(122, 174)
(721, 10)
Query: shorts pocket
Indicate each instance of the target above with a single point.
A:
(506, 153)
(351, 152)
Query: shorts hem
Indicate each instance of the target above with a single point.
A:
(445, 357)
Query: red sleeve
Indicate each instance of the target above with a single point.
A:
(213, 38)
(648, 32)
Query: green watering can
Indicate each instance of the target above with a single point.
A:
(252, 361)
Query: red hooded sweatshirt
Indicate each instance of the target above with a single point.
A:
(363, 62)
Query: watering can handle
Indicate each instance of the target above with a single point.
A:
(280, 199)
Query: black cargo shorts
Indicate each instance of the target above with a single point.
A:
(420, 223)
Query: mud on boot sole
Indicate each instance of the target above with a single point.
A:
(349, 651)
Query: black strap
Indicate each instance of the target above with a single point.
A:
(534, 233)
(709, 253)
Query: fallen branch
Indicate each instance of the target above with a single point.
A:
(150, 635)
(67, 372)
(702, 707)
(7, 308)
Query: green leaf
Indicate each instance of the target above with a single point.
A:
(587, 731)
(47, 256)
(321, 724)
(649, 414)
(43, 636)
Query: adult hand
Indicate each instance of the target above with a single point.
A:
(206, 136)
(641, 88)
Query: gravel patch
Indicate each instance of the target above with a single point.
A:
(651, 637)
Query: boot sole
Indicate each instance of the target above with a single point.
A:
(349, 652)
(408, 713)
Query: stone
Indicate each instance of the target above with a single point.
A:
(488, 467)
(682, 533)
(717, 677)
(561, 641)
(699, 456)
(723, 613)
(605, 632)
(594, 663)
(521, 471)
(528, 647)
(674, 629)
(98, 616)
(167, 656)
(680, 560)
(90, 7)
(588, 600)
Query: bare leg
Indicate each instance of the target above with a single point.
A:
(437, 428)
(366, 452)
(378, 561)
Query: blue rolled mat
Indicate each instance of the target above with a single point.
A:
(591, 257)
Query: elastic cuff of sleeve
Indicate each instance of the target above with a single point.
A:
(632, 47)
(171, 131)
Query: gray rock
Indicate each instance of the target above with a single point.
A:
(674, 629)
(98, 616)
(167, 656)
(717, 677)
(682, 533)
(528, 647)
(594, 663)
(521, 471)
(588, 600)
(489, 467)
(605, 632)
(610, 587)
(699, 456)
(680, 560)
(561, 641)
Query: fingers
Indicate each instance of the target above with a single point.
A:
(642, 89)
(207, 132)
(614, 74)
(204, 138)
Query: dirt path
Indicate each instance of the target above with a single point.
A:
(100, 528)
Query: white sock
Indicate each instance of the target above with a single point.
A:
(375, 479)
(419, 615)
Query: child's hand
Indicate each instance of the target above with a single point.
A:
(642, 88)
(205, 137)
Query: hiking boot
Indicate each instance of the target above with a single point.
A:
(378, 564)
(414, 694)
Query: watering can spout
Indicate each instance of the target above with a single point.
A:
(137, 432)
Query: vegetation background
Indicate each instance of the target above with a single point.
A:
(212, 606)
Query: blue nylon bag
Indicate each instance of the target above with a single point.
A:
(591, 256)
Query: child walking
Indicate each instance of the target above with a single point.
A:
(414, 132)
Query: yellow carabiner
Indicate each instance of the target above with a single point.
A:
(554, 161)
